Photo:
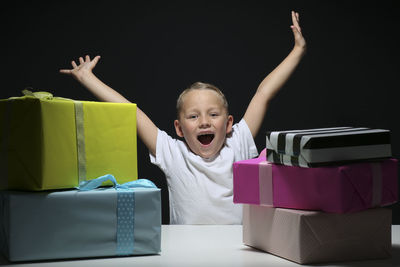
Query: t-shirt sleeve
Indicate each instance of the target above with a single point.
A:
(167, 151)
(242, 141)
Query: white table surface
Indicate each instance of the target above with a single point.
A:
(209, 246)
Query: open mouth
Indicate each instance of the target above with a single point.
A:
(205, 139)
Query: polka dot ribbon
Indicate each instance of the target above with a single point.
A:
(125, 221)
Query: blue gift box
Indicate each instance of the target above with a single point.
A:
(78, 224)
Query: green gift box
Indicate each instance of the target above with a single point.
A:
(54, 143)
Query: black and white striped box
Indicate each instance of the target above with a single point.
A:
(327, 146)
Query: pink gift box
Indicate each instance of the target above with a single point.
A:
(337, 189)
(315, 237)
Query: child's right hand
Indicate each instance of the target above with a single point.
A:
(85, 67)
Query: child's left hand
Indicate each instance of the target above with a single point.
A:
(299, 40)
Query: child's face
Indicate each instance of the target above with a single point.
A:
(203, 122)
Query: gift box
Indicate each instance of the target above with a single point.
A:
(314, 237)
(327, 146)
(336, 189)
(54, 143)
(78, 224)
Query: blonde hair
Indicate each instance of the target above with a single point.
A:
(200, 86)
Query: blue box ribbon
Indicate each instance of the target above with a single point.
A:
(125, 213)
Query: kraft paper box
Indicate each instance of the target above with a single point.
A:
(77, 224)
(315, 237)
(336, 189)
(327, 146)
(53, 143)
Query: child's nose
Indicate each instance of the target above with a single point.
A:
(204, 122)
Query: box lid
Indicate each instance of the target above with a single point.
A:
(318, 147)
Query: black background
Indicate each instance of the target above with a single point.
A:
(152, 50)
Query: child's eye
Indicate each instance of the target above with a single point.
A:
(214, 114)
(192, 116)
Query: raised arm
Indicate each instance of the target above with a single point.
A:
(275, 80)
(83, 73)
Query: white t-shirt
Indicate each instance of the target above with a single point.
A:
(201, 190)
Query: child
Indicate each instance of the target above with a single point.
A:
(199, 170)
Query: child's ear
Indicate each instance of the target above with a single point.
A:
(229, 124)
(178, 128)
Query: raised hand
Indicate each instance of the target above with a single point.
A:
(274, 81)
(85, 66)
(299, 40)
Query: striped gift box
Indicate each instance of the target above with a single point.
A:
(327, 146)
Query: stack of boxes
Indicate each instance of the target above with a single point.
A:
(317, 195)
(51, 145)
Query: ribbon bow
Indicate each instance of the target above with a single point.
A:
(95, 183)
(43, 95)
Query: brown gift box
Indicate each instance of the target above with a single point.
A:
(314, 237)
